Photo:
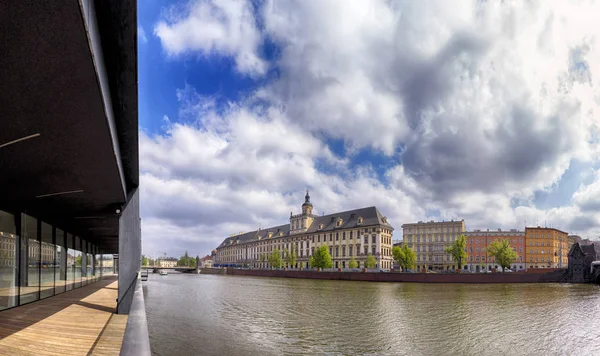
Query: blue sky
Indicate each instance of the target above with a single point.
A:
(433, 111)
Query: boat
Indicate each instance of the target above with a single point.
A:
(163, 273)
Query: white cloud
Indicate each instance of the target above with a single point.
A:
(224, 27)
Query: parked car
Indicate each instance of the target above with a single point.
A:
(508, 270)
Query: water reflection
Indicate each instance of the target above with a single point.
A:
(220, 315)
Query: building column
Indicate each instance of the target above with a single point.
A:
(378, 242)
(362, 243)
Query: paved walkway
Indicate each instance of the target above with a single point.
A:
(78, 322)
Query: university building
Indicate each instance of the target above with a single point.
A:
(479, 241)
(349, 234)
(429, 241)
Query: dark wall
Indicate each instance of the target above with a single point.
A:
(551, 277)
(130, 252)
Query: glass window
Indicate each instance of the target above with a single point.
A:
(47, 266)
(71, 256)
(60, 271)
(9, 259)
(30, 260)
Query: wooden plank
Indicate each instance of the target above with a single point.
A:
(73, 323)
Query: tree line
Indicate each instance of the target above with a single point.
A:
(404, 256)
(184, 261)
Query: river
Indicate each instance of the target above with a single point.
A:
(228, 315)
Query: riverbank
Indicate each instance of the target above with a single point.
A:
(518, 277)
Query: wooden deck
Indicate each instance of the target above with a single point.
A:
(78, 322)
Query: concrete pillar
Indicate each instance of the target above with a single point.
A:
(130, 251)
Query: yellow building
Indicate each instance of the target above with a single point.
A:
(546, 247)
(349, 234)
(429, 241)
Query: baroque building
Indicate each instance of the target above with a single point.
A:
(429, 241)
(349, 234)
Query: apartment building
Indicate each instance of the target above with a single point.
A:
(429, 241)
(478, 242)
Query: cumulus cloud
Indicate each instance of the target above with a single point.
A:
(224, 27)
(480, 104)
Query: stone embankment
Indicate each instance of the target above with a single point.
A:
(515, 277)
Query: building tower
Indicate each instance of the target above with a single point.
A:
(307, 206)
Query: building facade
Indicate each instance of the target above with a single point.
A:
(167, 262)
(580, 260)
(206, 262)
(429, 241)
(546, 248)
(477, 249)
(349, 234)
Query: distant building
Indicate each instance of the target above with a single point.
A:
(348, 234)
(429, 240)
(206, 262)
(580, 259)
(546, 248)
(477, 249)
(169, 262)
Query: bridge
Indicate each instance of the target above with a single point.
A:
(183, 269)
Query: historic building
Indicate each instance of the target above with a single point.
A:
(580, 260)
(206, 262)
(477, 249)
(429, 241)
(349, 234)
(546, 248)
(169, 262)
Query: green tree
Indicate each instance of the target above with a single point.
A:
(275, 259)
(353, 263)
(370, 262)
(151, 262)
(291, 256)
(144, 260)
(321, 258)
(78, 261)
(405, 257)
(458, 250)
(503, 253)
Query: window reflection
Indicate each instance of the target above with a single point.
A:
(30, 260)
(60, 271)
(8, 261)
(47, 266)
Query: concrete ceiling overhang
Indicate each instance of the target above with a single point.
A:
(68, 113)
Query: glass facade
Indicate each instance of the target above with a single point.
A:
(39, 260)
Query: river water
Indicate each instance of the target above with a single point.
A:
(230, 315)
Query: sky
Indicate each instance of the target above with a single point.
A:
(485, 111)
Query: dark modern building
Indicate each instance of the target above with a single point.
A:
(68, 147)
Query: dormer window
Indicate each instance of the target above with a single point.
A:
(280, 233)
(360, 220)
(270, 234)
(339, 222)
(321, 226)
(384, 219)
